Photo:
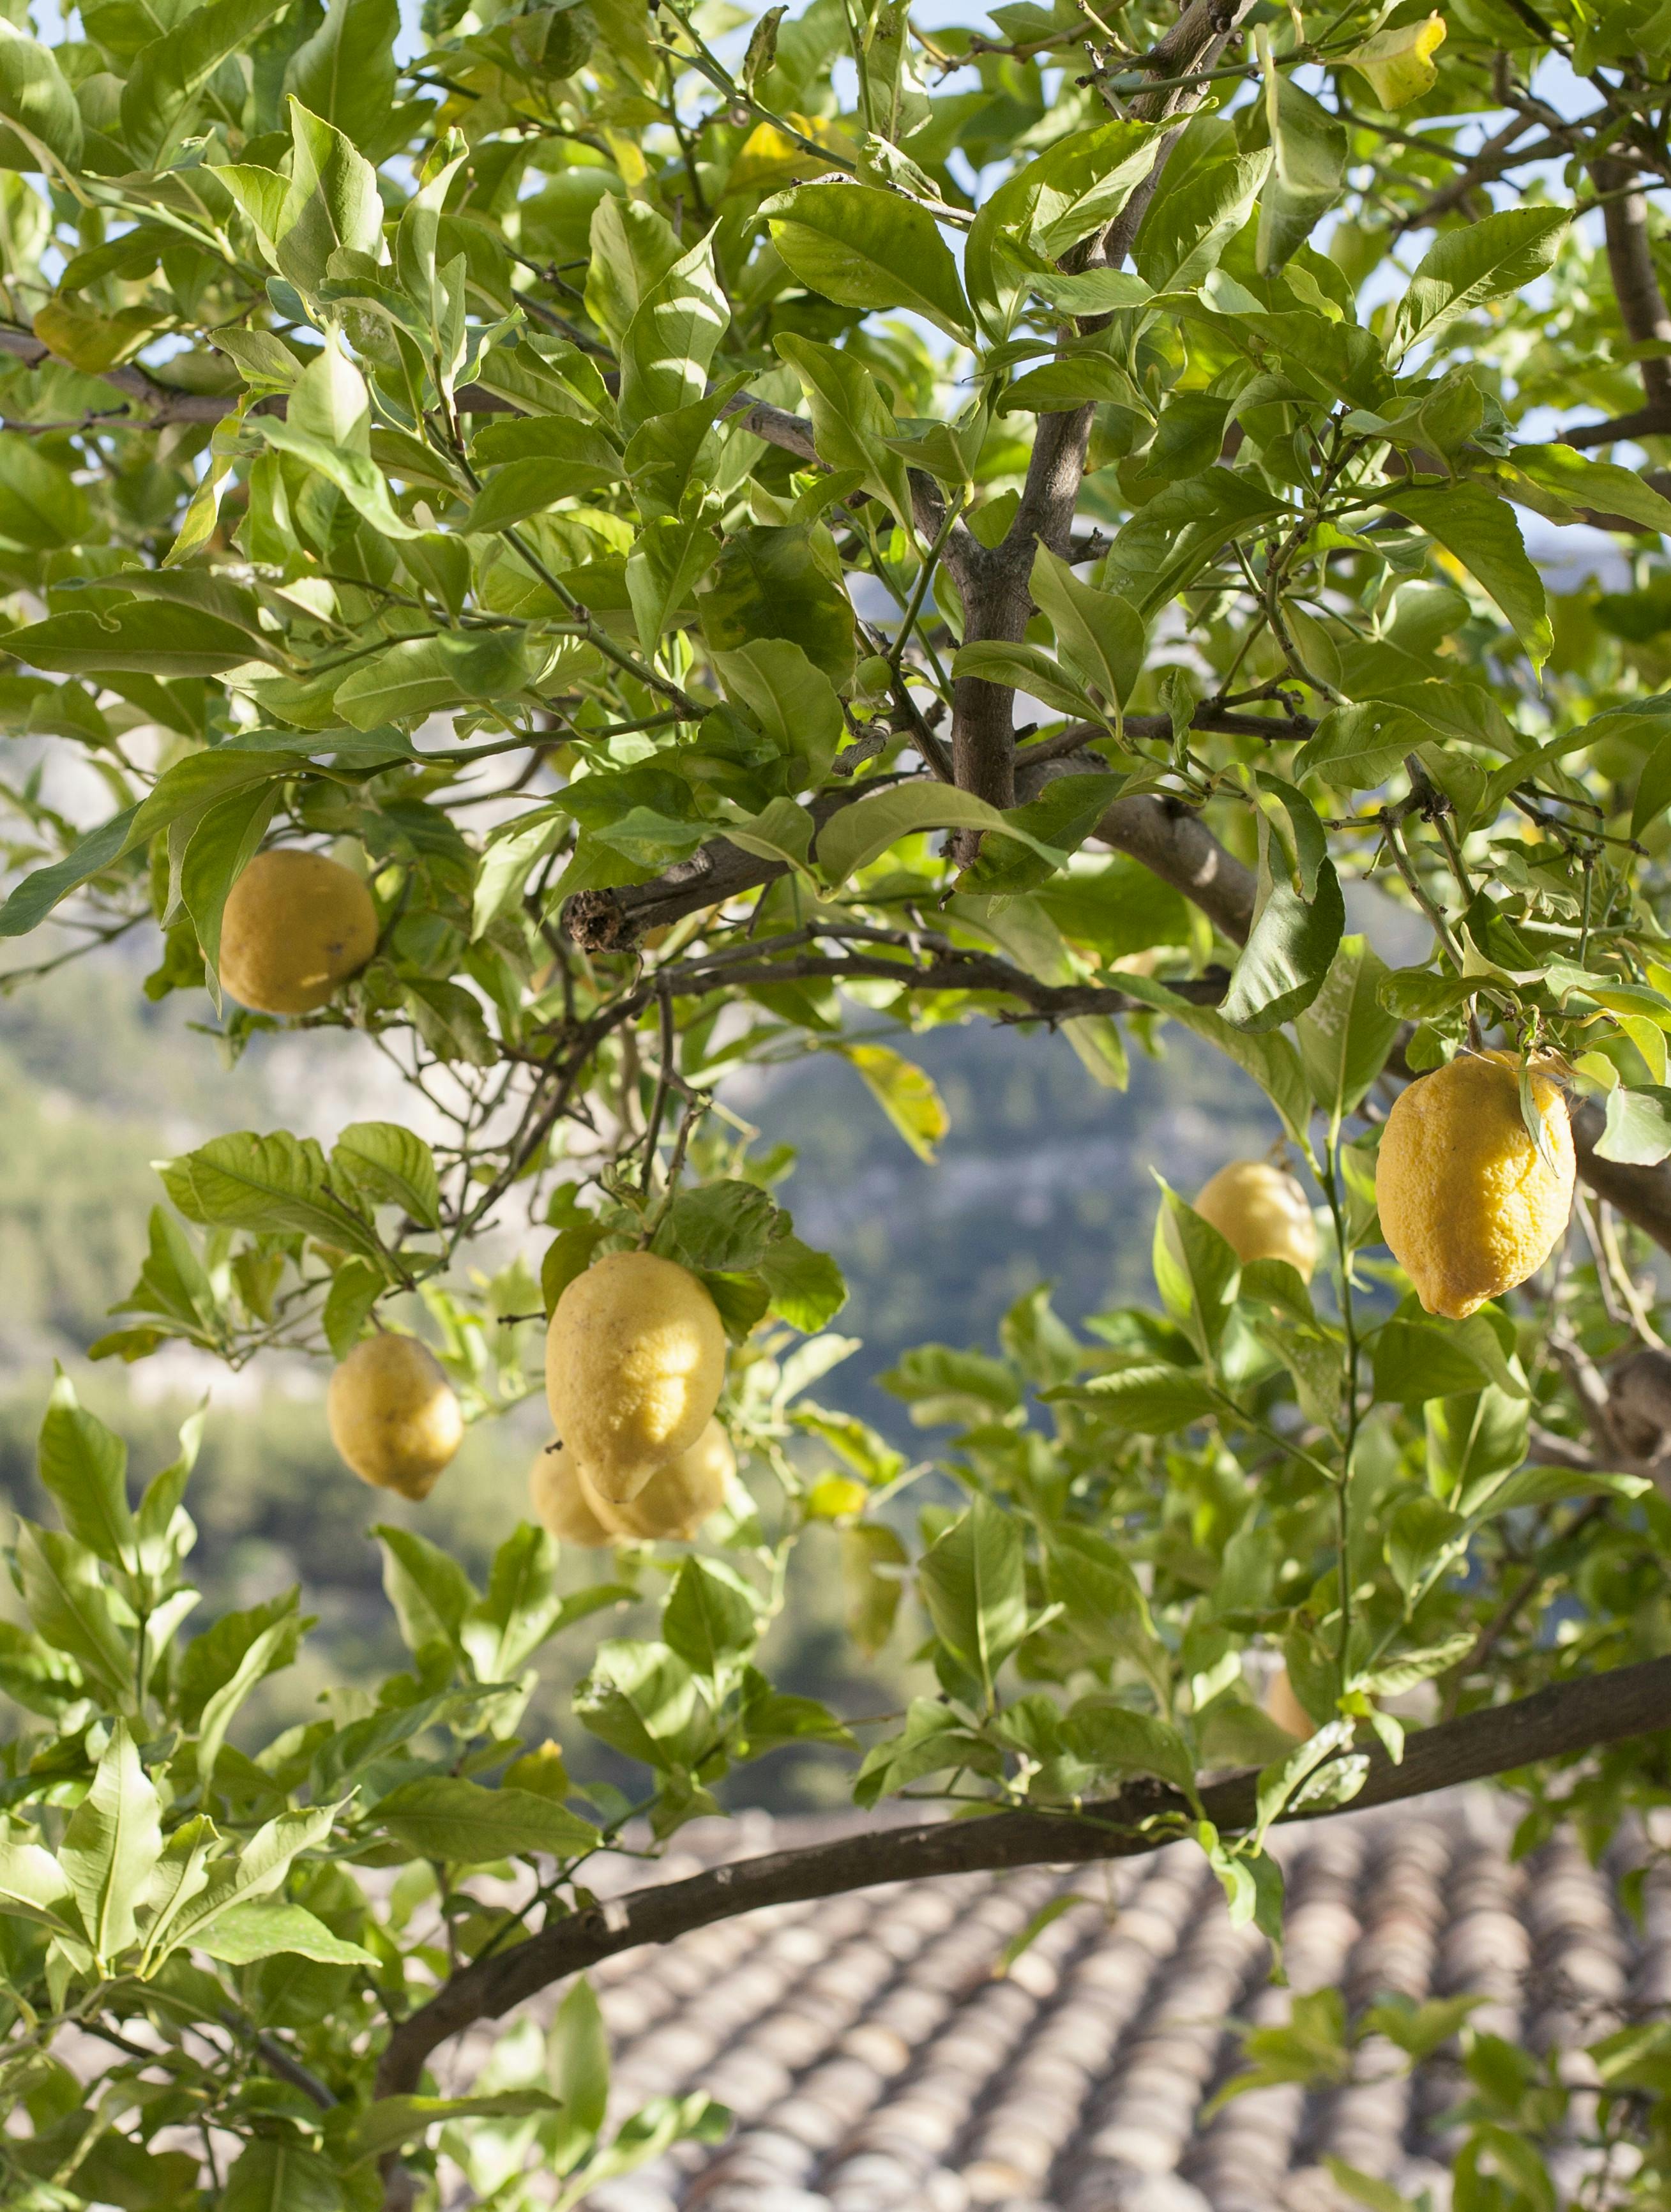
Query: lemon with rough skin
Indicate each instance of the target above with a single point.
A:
(1261, 1213)
(1468, 1208)
(297, 924)
(561, 1502)
(392, 1414)
(677, 1497)
(634, 1359)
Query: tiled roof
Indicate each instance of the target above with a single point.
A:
(873, 2062)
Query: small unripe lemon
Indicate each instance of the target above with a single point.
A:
(677, 1497)
(1468, 1207)
(560, 1502)
(1261, 1213)
(296, 926)
(392, 1414)
(635, 1359)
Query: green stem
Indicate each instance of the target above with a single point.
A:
(1331, 1182)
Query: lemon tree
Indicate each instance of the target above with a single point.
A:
(595, 545)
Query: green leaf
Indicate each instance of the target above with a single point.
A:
(1578, 483)
(1194, 214)
(333, 204)
(345, 73)
(774, 581)
(388, 1165)
(727, 1226)
(445, 1817)
(672, 338)
(265, 1929)
(793, 701)
(388, 2123)
(161, 94)
(1100, 635)
(860, 834)
(37, 106)
(1472, 265)
(904, 1091)
(1356, 748)
(863, 247)
(1638, 1130)
(1480, 530)
(275, 2174)
(872, 1596)
(711, 1619)
(140, 638)
(1288, 955)
(1118, 1739)
(807, 1288)
(1196, 1272)
(850, 421)
(430, 1592)
(641, 1698)
(274, 1184)
(1031, 669)
(84, 1465)
(501, 1630)
(40, 506)
(273, 1647)
(258, 1869)
(1346, 1034)
(70, 1606)
(1309, 150)
(577, 2067)
(972, 1580)
(113, 1843)
(1077, 186)
(1414, 1361)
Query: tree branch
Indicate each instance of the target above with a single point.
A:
(1635, 282)
(1553, 1723)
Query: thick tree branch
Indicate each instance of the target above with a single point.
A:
(1644, 422)
(1635, 281)
(1553, 1723)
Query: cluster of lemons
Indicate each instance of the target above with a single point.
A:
(635, 1361)
(1469, 1205)
(635, 1351)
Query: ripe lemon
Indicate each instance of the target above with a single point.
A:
(1468, 1208)
(634, 1359)
(1261, 1213)
(678, 1498)
(297, 924)
(562, 1502)
(392, 1414)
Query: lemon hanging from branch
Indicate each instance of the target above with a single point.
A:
(1469, 1205)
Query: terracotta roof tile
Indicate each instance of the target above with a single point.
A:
(875, 2064)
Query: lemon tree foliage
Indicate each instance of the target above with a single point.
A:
(595, 546)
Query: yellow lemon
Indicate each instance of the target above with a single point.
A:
(392, 1414)
(1468, 1206)
(562, 1502)
(1261, 1214)
(297, 924)
(677, 1497)
(634, 1359)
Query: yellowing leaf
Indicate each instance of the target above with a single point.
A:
(90, 343)
(1399, 64)
(904, 1092)
(769, 157)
